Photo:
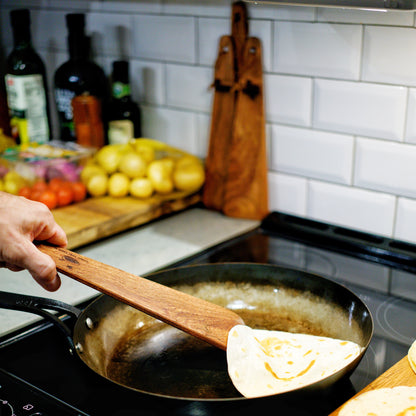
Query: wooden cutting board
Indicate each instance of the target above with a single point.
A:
(96, 218)
(399, 374)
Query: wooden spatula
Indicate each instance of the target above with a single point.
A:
(200, 318)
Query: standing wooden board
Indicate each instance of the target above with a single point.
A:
(399, 374)
(96, 218)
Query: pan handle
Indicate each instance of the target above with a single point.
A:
(40, 306)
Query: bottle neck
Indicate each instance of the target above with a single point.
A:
(22, 37)
(78, 47)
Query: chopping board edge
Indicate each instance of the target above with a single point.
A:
(400, 374)
(97, 218)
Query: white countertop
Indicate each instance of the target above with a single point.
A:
(141, 250)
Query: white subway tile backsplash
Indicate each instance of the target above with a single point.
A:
(188, 87)
(331, 14)
(177, 128)
(313, 154)
(287, 193)
(330, 75)
(166, 38)
(203, 129)
(75, 6)
(386, 166)
(317, 49)
(221, 8)
(360, 108)
(148, 82)
(49, 29)
(111, 34)
(410, 132)
(128, 6)
(288, 99)
(387, 55)
(355, 208)
(277, 12)
(405, 227)
(210, 31)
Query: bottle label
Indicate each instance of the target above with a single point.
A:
(120, 131)
(63, 98)
(121, 90)
(26, 99)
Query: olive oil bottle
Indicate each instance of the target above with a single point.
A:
(124, 114)
(79, 76)
(26, 87)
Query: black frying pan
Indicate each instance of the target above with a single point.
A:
(141, 353)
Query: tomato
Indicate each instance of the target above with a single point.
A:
(79, 190)
(25, 191)
(55, 184)
(49, 198)
(65, 195)
(40, 185)
(35, 194)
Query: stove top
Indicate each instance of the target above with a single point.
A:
(380, 271)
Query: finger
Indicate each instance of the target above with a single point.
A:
(50, 285)
(41, 267)
(53, 233)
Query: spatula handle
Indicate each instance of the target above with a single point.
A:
(202, 319)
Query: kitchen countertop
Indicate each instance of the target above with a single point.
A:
(140, 251)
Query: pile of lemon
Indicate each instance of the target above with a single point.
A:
(141, 168)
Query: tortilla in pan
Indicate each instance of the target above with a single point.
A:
(262, 362)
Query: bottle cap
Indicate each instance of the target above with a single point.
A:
(75, 22)
(20, 17)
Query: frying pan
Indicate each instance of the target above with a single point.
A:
(141, 353)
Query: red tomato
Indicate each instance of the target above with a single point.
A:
(25, 191)
(49, 198)
(35, 194)
(55, 184)
(39, 185)
(65, 195)
(79, 190)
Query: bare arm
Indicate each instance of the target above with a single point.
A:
(21, 222)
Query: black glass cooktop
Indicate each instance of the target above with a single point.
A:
(57, 378)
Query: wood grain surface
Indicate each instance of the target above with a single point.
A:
(196, 316)
(96, 218)
(399, 374)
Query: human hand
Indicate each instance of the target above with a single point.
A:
(21, 222)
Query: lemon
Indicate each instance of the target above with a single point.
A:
(145, 150)
(1, 185)
(118, 185)
(186, 160)
(133, 165)
(12, 182)
(189, 177)
(108, 157)
(160, 174)
(97, 185)
(90, 170)
(141, 188)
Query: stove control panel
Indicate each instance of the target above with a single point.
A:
(19, 398)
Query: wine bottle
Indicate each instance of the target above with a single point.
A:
(79, 76)
(124, 114)
(26, 86)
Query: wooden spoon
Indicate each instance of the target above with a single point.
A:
(202, 319)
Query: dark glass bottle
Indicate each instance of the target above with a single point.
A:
(124, 114)
(78, 76)
(26, 86)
